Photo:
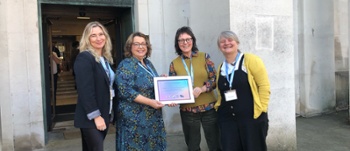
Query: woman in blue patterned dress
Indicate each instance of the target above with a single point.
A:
(139, 123)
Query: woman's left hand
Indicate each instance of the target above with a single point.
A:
(197, 91)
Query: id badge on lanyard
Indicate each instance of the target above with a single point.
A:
(230, 95)
(111, 91)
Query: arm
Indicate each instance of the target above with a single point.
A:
(84, 72)
(147, 101)
(259, 73)
(210, 84)
(56, 58)
(125, 82)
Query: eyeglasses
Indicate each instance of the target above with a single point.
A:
(138, 45)
(182, 41)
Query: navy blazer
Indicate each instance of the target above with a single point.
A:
(93, 90)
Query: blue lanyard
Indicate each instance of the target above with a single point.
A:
(107, 69)
(188, 73)
(148, 70)
(233, 71)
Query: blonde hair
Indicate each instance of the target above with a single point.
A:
(85, 45)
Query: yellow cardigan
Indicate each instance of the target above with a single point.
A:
(258, 81)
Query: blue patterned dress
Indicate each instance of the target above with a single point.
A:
(139, 127)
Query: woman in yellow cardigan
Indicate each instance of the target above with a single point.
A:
(243, 90)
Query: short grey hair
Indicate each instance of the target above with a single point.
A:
(227, 34)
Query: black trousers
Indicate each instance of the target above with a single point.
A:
(191, 124)
(55, 78)
(92, 139)
(244, 134)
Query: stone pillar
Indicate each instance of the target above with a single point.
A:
(265, 28)
(21, 118)
(349, 54)
(316, 57)
(5, 93)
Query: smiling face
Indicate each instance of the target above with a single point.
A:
(185, 44)
(139, 47)
(97, 38)
(228, 45)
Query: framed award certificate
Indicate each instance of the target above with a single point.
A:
(174, 89)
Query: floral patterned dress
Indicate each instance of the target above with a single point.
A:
(139, 127)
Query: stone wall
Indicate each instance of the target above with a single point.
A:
(21, 87)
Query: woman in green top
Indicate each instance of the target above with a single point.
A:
(200, 68)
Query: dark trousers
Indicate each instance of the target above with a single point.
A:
(55, 78)
(191, 123)
(244, 135)
(92, 139)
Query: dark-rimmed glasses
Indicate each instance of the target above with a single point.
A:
(182, 41)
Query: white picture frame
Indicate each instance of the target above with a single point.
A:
(174, 89)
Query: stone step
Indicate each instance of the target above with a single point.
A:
(65, 81)
(65, 78)
(59, 97)
(65, 85)
(60, 89)
(66, 101)
(66, 93)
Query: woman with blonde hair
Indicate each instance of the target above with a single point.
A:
(95, 85)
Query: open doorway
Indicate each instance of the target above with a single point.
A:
(62, 26)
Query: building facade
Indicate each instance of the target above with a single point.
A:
(305, 51)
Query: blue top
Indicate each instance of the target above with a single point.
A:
(139, 126)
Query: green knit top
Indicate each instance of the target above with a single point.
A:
(202, 76)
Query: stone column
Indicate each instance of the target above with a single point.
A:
(316, 57)
(349, 53)
(265, 28)
(5, 93)
(22, 125)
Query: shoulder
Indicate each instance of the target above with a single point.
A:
(126, 62)
(56, 50)
(85, 54)
(147, 61)
(199, 53)
(178, 58)
(220, 65)
(252, 60)
(202, 55)
(251, 57)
